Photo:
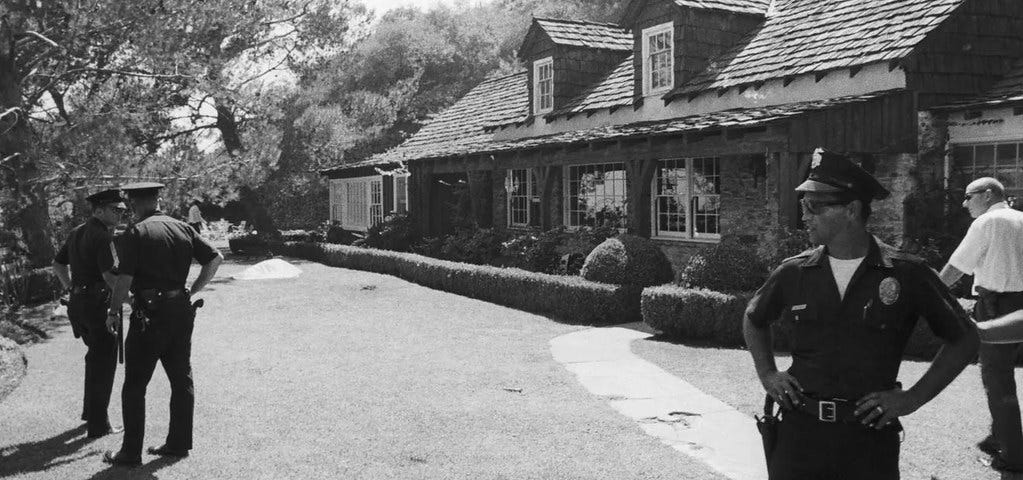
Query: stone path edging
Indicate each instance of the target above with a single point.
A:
(664, 406)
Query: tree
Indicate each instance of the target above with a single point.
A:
(94, 91)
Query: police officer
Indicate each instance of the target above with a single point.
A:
(155, 255)
(853, 303)
(84, 266)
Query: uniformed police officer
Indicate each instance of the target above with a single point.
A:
(853, 302)
(88, 252)
(155, 255)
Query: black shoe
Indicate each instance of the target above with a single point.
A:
(119, 460)
(108, 431)
(165, 451)
(989, 446)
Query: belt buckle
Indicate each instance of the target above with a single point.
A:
(827, 411)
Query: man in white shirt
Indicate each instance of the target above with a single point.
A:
(992, 251)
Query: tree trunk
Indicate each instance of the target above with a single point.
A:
(26, 209)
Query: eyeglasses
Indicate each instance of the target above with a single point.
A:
(815, 207)
(969, 195)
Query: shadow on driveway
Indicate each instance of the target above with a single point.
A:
(44, 454)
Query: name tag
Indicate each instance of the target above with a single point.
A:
(796, 308)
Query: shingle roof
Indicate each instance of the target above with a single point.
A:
(740, 117)
(605, 36)
(806, 36)
(1007, 90)
(497, 100)
(741, 6)
(614, 90)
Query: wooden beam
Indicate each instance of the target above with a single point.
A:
(722, 92)
(637, 104)
(817, 77)
(788, 79)
(892, 65)
(854, 71)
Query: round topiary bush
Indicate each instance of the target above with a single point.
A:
(729, 266)
(628, 260)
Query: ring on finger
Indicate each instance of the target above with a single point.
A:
(879, 409)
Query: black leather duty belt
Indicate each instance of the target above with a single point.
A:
(831, 410)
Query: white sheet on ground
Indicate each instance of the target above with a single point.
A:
(268, 269)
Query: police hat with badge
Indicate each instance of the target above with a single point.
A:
(834, 173)
(141, 189)
(110, 196)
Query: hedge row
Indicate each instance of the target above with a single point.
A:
(569, 299)
(705, 315)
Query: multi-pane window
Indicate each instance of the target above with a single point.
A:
(523, 198)
(1001, 160)
(543, 85)
(376, 202)
(687, 198)
(658, 59)
(357, 203)
(595, 195)
(401, 194)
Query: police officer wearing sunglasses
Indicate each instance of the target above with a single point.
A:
(853, 302)
(85, 265)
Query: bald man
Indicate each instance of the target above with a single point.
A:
(992, 251)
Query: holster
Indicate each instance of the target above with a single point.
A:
(138, 317)
(768, 427)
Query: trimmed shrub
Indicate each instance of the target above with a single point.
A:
(570, 299)
(729, 266)
(395, 233)
(628, 260)
(542, 251)
(705, 315)
(338, 235)
(695, 314)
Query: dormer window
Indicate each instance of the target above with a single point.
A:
(543, 85)
(658, 59)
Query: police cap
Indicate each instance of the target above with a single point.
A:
(834, 173)
(141, 189)
(107, 197)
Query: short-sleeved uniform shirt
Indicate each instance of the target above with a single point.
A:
(158, 250)
(992, 250)
(846, 348)
(88, 252)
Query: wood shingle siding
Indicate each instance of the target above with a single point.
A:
(806, 36)
(969, 54)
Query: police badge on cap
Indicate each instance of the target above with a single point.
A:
(834, 173)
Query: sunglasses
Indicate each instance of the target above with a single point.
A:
(815, 207)
(970, 195)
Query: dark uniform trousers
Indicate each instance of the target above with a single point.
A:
(809, 449)
(88, 311)
(166, 338)
(997, 369)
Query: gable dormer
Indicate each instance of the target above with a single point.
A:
(564, 57)
(674, 40)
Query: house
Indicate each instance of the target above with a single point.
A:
(693, 120)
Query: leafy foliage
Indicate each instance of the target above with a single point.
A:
(396, 233)
(729, 266)
(628, 260)
(543, 251)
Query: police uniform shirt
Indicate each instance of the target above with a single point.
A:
(158, 251)
(88, 252)
(848, 347)
(991, 250)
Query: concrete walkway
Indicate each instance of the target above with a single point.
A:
(665, 407)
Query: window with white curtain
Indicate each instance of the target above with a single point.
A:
(686, 196)
(595, 194)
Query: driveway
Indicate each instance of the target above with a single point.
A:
(348, 374)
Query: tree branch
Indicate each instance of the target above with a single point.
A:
(33, 33)
(286, 57)
(169, 136)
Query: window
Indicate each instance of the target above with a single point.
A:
(595, 194)
(1002, 160)
(543, 85)
(687, 198)
(523, 198)
(357, 203)
(401, 194)
(376, 202)
(658, 59)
